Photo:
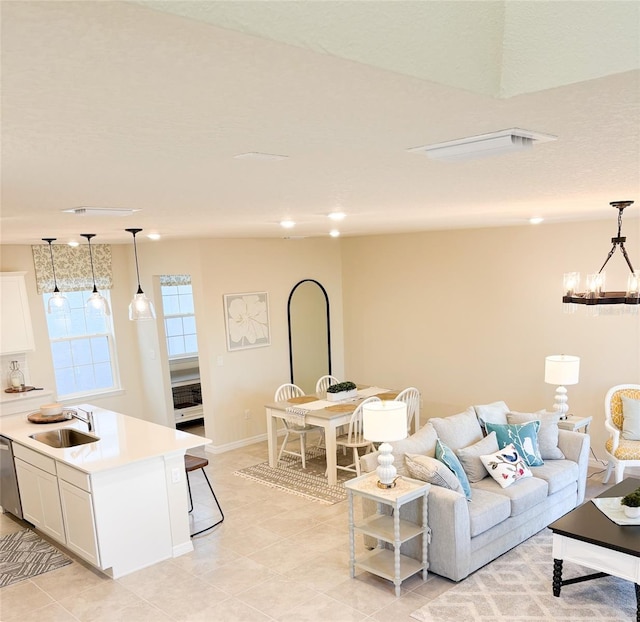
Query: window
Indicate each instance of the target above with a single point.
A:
(82, 347)
(179, 321)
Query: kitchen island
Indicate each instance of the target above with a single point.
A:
(119, 502)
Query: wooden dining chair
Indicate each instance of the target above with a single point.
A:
(293, 425)
(324, 382)
(411, 397)
(354, 439)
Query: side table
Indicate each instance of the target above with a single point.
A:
(390, 565)
(575, 423)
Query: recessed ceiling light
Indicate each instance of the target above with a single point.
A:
(334, 233)
(287, 224)
(101, 211)
(254, 155)
(536, 220)
(337, 216)
(484, 145)
(153, 236)
(73, 243)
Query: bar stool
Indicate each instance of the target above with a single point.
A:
(193, 463)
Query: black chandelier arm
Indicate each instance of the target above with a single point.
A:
(613, 250)
(626, 257)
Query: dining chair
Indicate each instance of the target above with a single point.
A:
(354, 439)
(411, 397)
(324, 382)
(622, 448)
(295, 425)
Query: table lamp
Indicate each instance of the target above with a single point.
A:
(385, 421)
(561, 369)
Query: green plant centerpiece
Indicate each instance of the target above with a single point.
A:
(631, 504)
(342, 391)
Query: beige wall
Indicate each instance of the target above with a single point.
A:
(465, 316)
(247, 378)
(468, 316)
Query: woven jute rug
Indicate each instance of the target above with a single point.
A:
(516, 587)
(24, 554)
(310, 483)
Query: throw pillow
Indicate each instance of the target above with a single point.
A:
(506, 466)
(459, 430)
(630, 418)
(422, 442)
(524, 437)
(496, 412)
(547, 434)
(430, 470)
(448, 458)
(470, 457)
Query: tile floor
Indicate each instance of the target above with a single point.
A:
(276, 557)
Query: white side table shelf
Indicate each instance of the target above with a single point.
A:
(390, 565)
(575, 423)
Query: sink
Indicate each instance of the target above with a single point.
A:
(64, 437)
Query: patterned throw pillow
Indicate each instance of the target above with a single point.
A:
(433, 471)
(547, 434)
(524, 437)
(506, 466)
(449, 459)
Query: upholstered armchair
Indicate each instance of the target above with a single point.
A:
(623, 445)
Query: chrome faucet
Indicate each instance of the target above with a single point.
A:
(88, 420)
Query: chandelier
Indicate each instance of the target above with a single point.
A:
(595, 293)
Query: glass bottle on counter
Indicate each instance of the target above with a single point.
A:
(16, 377)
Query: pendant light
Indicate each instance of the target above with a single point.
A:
(141, 308)
(96, 303)
(58, 304)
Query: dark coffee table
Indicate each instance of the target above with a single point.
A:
(587, 537)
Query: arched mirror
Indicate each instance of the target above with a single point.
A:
(309, 334)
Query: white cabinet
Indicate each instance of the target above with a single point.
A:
(78, 514)
(16, 333)
(39, 494)
(57, 500)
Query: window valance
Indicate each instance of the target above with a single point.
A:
(175, 279)
(73, 267)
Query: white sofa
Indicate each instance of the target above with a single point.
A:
(467, 534)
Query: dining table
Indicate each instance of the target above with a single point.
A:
(317, 410)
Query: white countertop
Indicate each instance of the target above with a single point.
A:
(123, 439)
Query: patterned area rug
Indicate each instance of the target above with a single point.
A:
(517, 587)
(24, 554)
(290, 477)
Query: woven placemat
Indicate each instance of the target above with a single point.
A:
(388, 396)
(303, 399)
(340, 408)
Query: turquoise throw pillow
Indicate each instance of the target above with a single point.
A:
(524, 437)
(449, 459)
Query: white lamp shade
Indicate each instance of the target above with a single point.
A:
(561, 369)
(384, 421)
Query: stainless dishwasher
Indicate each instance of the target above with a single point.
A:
(9, 494)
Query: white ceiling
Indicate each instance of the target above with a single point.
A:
(145, 105)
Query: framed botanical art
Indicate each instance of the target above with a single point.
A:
(247, 320)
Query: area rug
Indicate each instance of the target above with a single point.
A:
(291, 478)
(517, 587)
(24, 554)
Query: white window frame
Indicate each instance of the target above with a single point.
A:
(113, 359)
(171, 316)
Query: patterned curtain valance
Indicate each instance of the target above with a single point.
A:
(73, 267)
(175, 279)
